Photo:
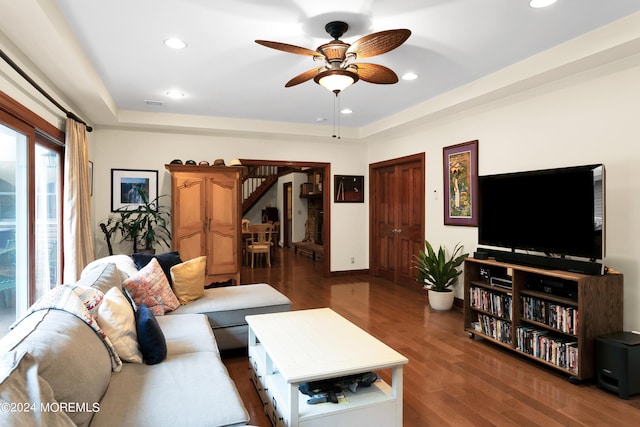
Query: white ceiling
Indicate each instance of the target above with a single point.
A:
(120, 61)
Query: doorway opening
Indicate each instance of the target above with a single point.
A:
(322, 212)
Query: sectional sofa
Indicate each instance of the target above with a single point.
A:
(59, 366)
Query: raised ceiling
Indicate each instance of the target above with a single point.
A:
(119, 70)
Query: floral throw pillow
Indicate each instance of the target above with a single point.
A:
(150, 287)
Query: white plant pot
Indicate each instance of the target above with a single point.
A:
(441, 301)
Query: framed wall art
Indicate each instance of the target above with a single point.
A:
(460, 167)
(126, 185)
(348, 188)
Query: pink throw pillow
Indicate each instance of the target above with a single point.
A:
(151, 287)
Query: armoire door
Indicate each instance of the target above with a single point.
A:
(189, 216)
(397, 214)
(222, 224)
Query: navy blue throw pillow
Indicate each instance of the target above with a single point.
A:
(150, 337)
(166, 261)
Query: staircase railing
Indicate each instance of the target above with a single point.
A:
(255, 183)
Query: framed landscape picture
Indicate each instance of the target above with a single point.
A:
(126, 185)
(460, 167)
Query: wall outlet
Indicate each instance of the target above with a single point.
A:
(353, 260)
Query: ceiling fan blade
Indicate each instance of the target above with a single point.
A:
(289, 48)
(378, 74)
(301, 78)
(379, 43)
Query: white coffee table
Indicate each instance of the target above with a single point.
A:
(288, 348)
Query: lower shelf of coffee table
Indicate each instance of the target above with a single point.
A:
(374, 405)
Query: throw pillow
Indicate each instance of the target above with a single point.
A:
(90, 297)
(150, 337)
(150, 286)
(188, 279)
(117, 320)
(124, 263)
(20, 384)
(102, 277)
(166, 260)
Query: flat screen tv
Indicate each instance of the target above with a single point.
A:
(557, 212)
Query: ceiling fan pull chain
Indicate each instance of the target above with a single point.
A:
(338, 115)
(335, 100)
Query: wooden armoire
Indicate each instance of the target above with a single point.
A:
(206, 218)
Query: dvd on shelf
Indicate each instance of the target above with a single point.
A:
(496, 303)
(557, 316)
(495, 328)
(542, 344)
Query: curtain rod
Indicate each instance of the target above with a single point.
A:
(24, 75)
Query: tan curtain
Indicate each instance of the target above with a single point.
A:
(78, 242)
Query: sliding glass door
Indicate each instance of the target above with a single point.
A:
(14, 223)
(48, 236)
(30, 223)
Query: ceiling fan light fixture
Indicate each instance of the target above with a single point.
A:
(336, 80)
(541, 3)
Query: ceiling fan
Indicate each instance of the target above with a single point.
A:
(339, 70)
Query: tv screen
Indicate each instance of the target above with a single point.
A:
(554, 211)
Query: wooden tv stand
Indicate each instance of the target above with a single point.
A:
(550, 316)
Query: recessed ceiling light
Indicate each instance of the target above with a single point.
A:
(175, 43)
(541, 3)
(409, 76)
(346, 111)
(175, 94)
(321, 119)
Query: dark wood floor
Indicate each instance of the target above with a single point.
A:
(450, 379)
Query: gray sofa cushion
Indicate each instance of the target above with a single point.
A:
(228, 306)
(187, 389)
(102, 277)
(191, 387)
(232, 337)
(21, 385)
(70, 356)
(126, 266)
(187, 333)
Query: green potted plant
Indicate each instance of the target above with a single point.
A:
(145, 226)
(437, 273)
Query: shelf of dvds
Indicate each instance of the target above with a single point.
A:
(550, 316)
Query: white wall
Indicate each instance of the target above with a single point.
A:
(590, 117)
(145, 149)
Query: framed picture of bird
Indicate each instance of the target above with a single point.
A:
(348, 189)
(460, 167)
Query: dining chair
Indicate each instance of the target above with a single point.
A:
(260, 242)
(275, 236)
